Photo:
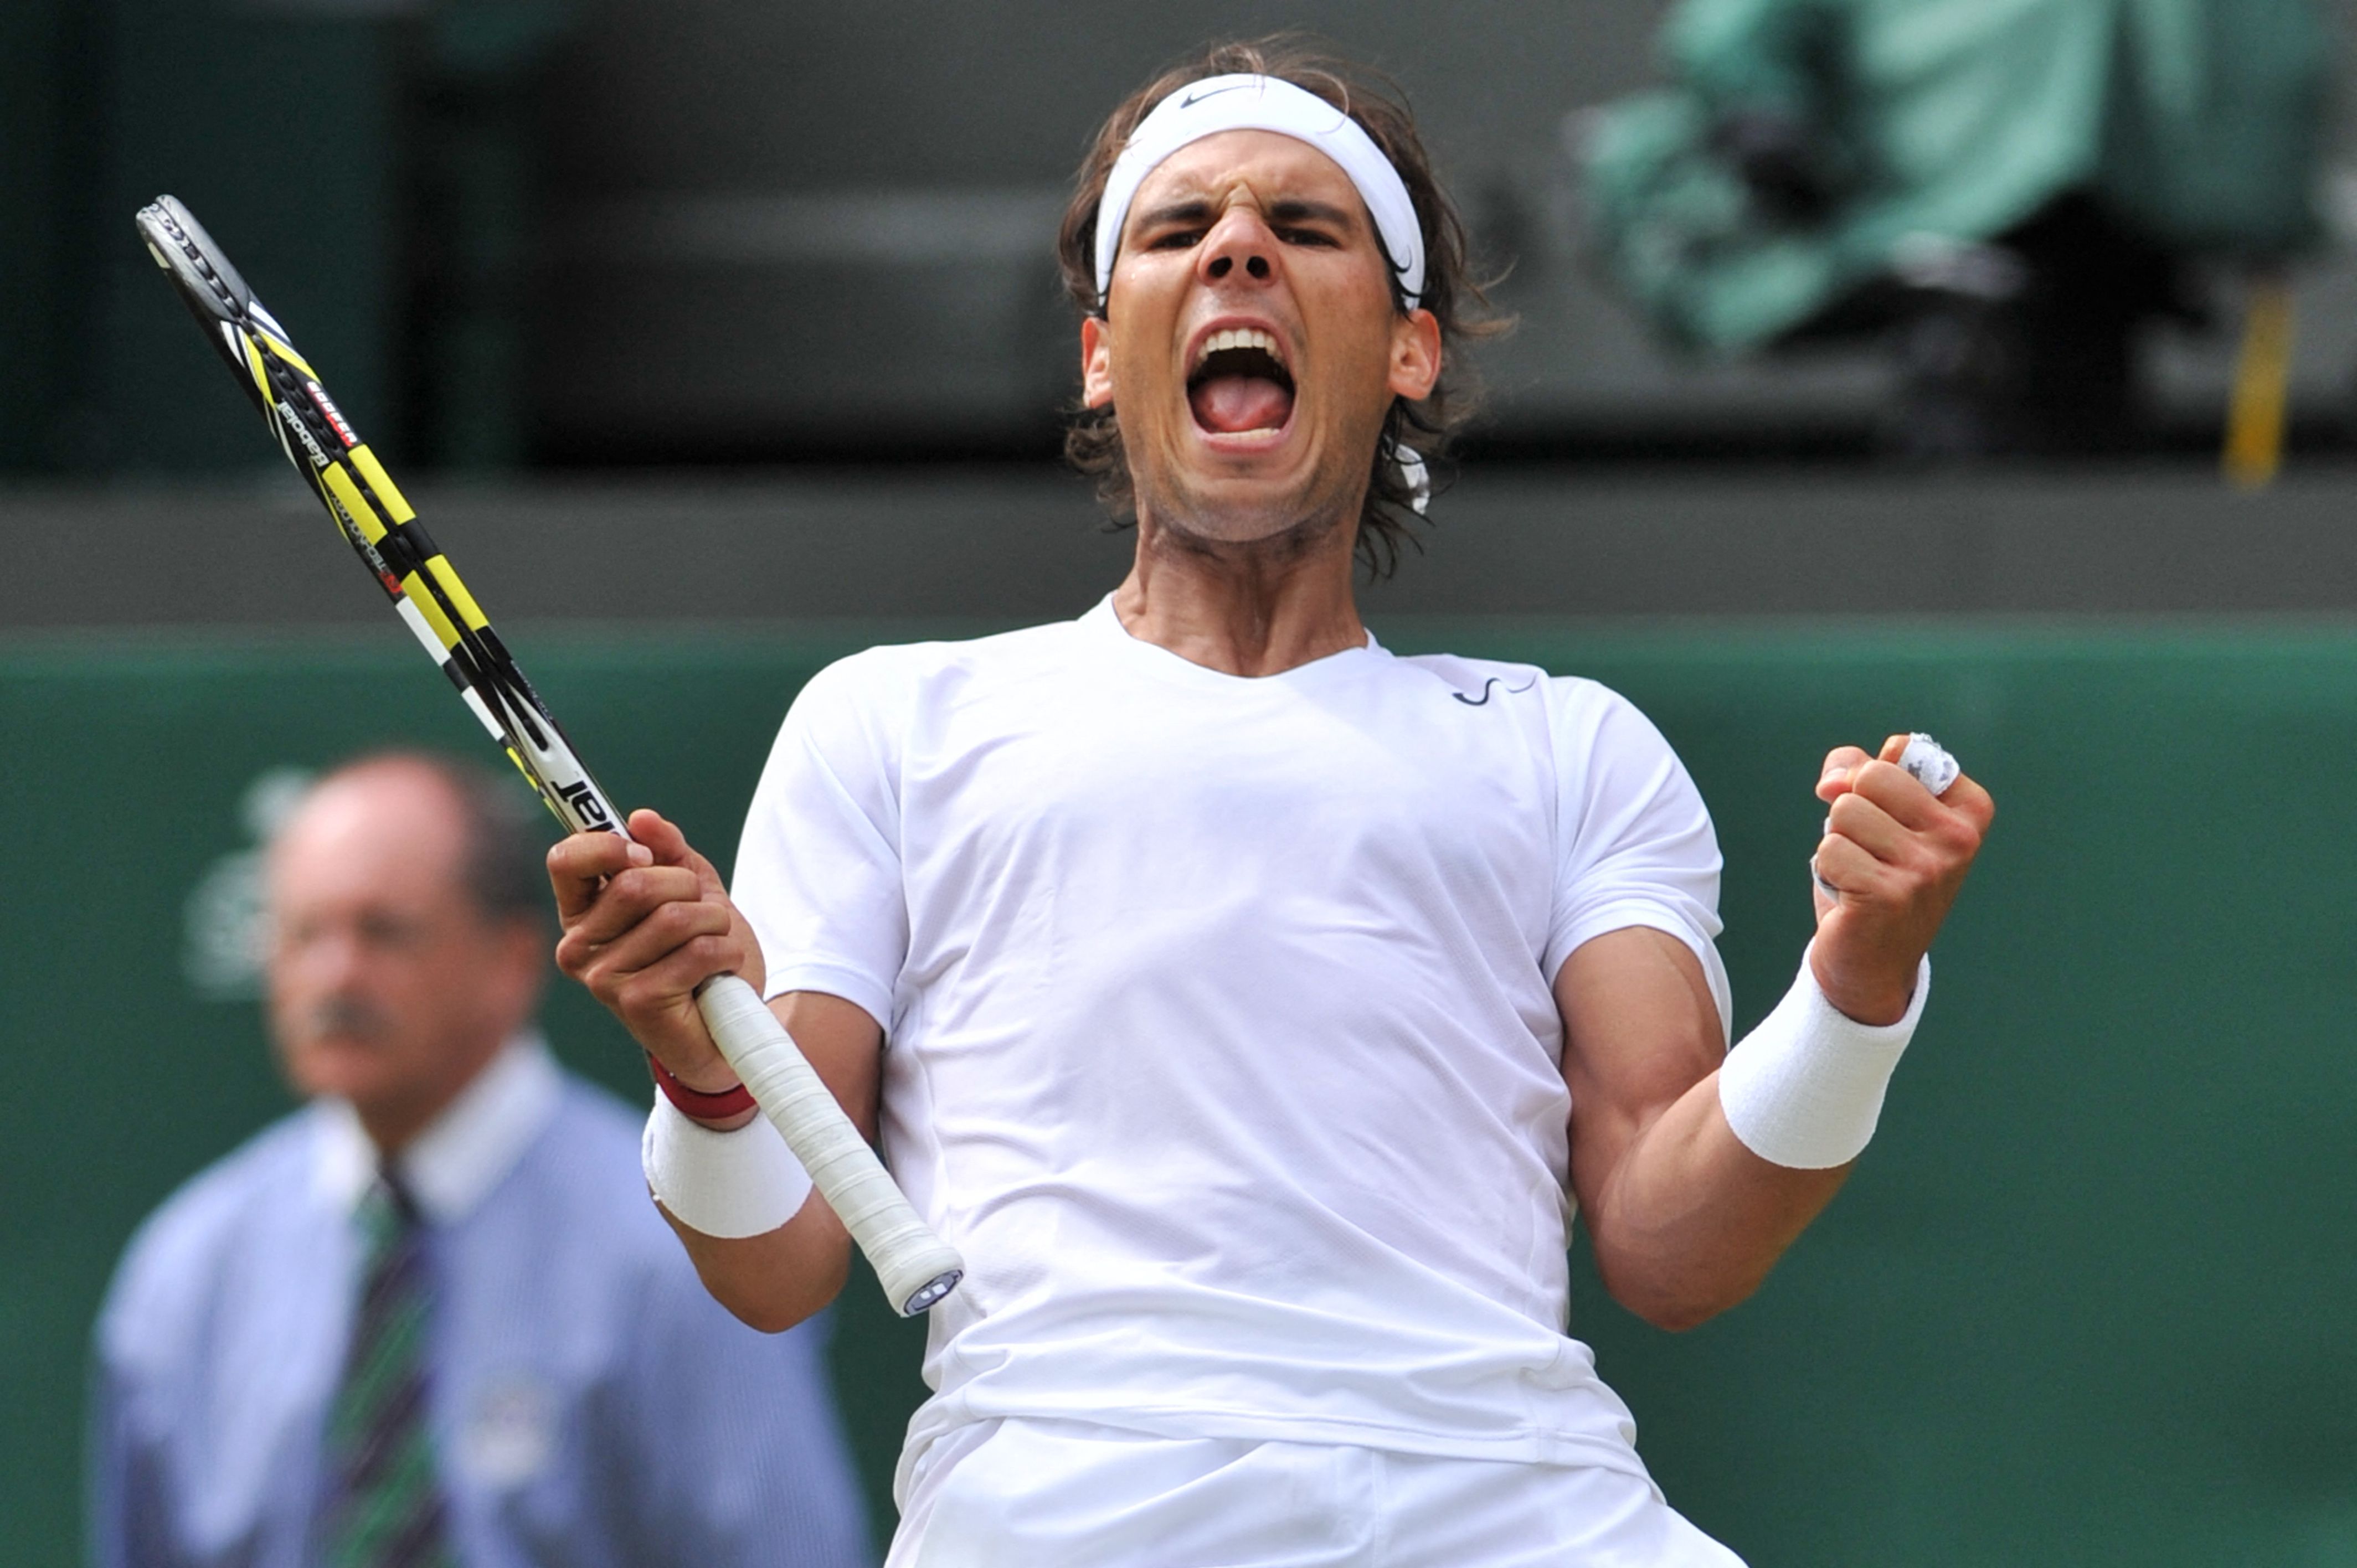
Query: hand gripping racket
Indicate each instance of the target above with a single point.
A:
(917, 1267)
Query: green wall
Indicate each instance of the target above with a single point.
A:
(2085, 1301)
(44, 56)
(276, 127)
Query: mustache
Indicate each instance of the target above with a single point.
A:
(350, 1017)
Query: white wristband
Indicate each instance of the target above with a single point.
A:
(729, 1185)
(1805, 1089)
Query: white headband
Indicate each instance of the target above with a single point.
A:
(1219, 103)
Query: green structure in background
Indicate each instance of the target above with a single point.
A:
(2085, 1301)
(2196, 123)
(41, 42)
(369, 162)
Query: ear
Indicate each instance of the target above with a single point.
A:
(1416, 355)
(1096, 361)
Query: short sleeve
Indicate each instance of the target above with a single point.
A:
(818, 869)
(1633, 842)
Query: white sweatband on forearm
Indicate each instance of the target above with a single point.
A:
(729, 1185)
(1805, 1089)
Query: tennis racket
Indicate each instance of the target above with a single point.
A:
(917, 1267)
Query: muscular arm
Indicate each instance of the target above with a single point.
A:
(645, 924)
(1685, 1220)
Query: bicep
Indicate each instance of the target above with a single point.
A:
(1640, 1028)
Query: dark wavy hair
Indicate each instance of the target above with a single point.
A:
(1454, 295)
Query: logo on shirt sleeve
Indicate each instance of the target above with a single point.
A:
(1483, 700)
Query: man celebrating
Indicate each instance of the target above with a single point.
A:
(1259, 1004)
(429, 1319)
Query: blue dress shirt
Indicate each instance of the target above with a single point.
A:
(591, 1406)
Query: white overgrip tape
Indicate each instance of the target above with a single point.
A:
(1805, 1089)
(728, 1185)
(1930, 762)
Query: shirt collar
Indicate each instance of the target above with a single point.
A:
(460, 1156)
(1104, 618)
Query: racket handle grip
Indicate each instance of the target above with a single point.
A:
(917, 1267)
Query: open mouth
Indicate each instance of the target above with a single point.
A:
(1240, 384)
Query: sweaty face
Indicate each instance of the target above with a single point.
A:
(1250, 343)
(388, 986)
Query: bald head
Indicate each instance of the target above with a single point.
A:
(394, 976)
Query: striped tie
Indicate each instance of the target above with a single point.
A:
(386, 1511)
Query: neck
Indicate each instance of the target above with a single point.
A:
(1256, 609)
(393, 1121)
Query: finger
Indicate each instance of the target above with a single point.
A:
(667, 984)
(669, 847)
(1833, 778)
(1893, 748)
(1899, 793)
(631, 896)
(1966, 796)
(578, 865)
(663, 840)
(648, 942)
(1845, 868)
(1858, 819)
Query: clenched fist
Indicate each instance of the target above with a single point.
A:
(1896, 855)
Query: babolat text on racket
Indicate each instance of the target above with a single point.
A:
(917, 1267)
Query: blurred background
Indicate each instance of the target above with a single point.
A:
(1982, 366)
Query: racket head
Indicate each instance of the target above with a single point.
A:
(213, 291)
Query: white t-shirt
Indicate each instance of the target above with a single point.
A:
(1221, 1034)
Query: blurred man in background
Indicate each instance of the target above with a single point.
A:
(2008, 193)
(432, 1318)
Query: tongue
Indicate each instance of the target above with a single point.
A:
(1230, 403)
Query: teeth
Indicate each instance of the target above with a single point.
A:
(1239, 338)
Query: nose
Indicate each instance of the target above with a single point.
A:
(1239, 246)
(325, 960)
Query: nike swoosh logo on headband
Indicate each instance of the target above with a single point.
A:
(1194, 98)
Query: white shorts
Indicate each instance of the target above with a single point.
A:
(1060, 1494)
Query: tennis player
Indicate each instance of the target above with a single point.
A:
(1251, 1006)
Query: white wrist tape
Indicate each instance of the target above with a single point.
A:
(1932, 764)
(1805, 1089)
(729, 1185)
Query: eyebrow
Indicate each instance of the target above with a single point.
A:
(1290, 210)
(1295, 209)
